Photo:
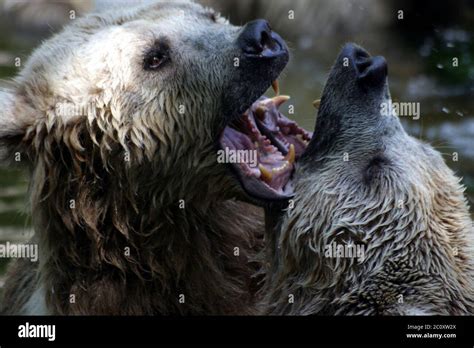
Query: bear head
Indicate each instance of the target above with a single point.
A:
(364, 184)
(141, 92)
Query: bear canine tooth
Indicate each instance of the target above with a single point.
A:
(280, 99)
(290, 156)
(260, 112)
(266, 175)
(276, 87)
(316, 103)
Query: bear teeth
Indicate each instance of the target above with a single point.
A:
(260, 112)
(291, 155)
(265, 174)
(276, 87)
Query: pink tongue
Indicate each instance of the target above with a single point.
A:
(282, 128)
(236, 140)
(272, 167)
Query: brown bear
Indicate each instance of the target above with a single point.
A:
(379, 224)
(120, 120)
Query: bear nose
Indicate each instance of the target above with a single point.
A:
(369, 70)
(258, 39)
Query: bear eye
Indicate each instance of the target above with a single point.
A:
(154, 62)
(156, 57)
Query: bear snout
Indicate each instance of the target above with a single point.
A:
(258, 40)
(370, 71)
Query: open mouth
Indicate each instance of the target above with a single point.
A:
(263, 146)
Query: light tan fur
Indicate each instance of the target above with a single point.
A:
(129, 206)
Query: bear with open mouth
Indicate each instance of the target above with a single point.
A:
(379, 224)
(118, 120)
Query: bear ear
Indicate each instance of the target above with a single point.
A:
(12, 128)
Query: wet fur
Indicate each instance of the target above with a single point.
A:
(393, 194)
(172, 251)
(107, 188)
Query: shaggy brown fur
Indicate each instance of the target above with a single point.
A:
(129, 206)
(363, 181)
(85, 249)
